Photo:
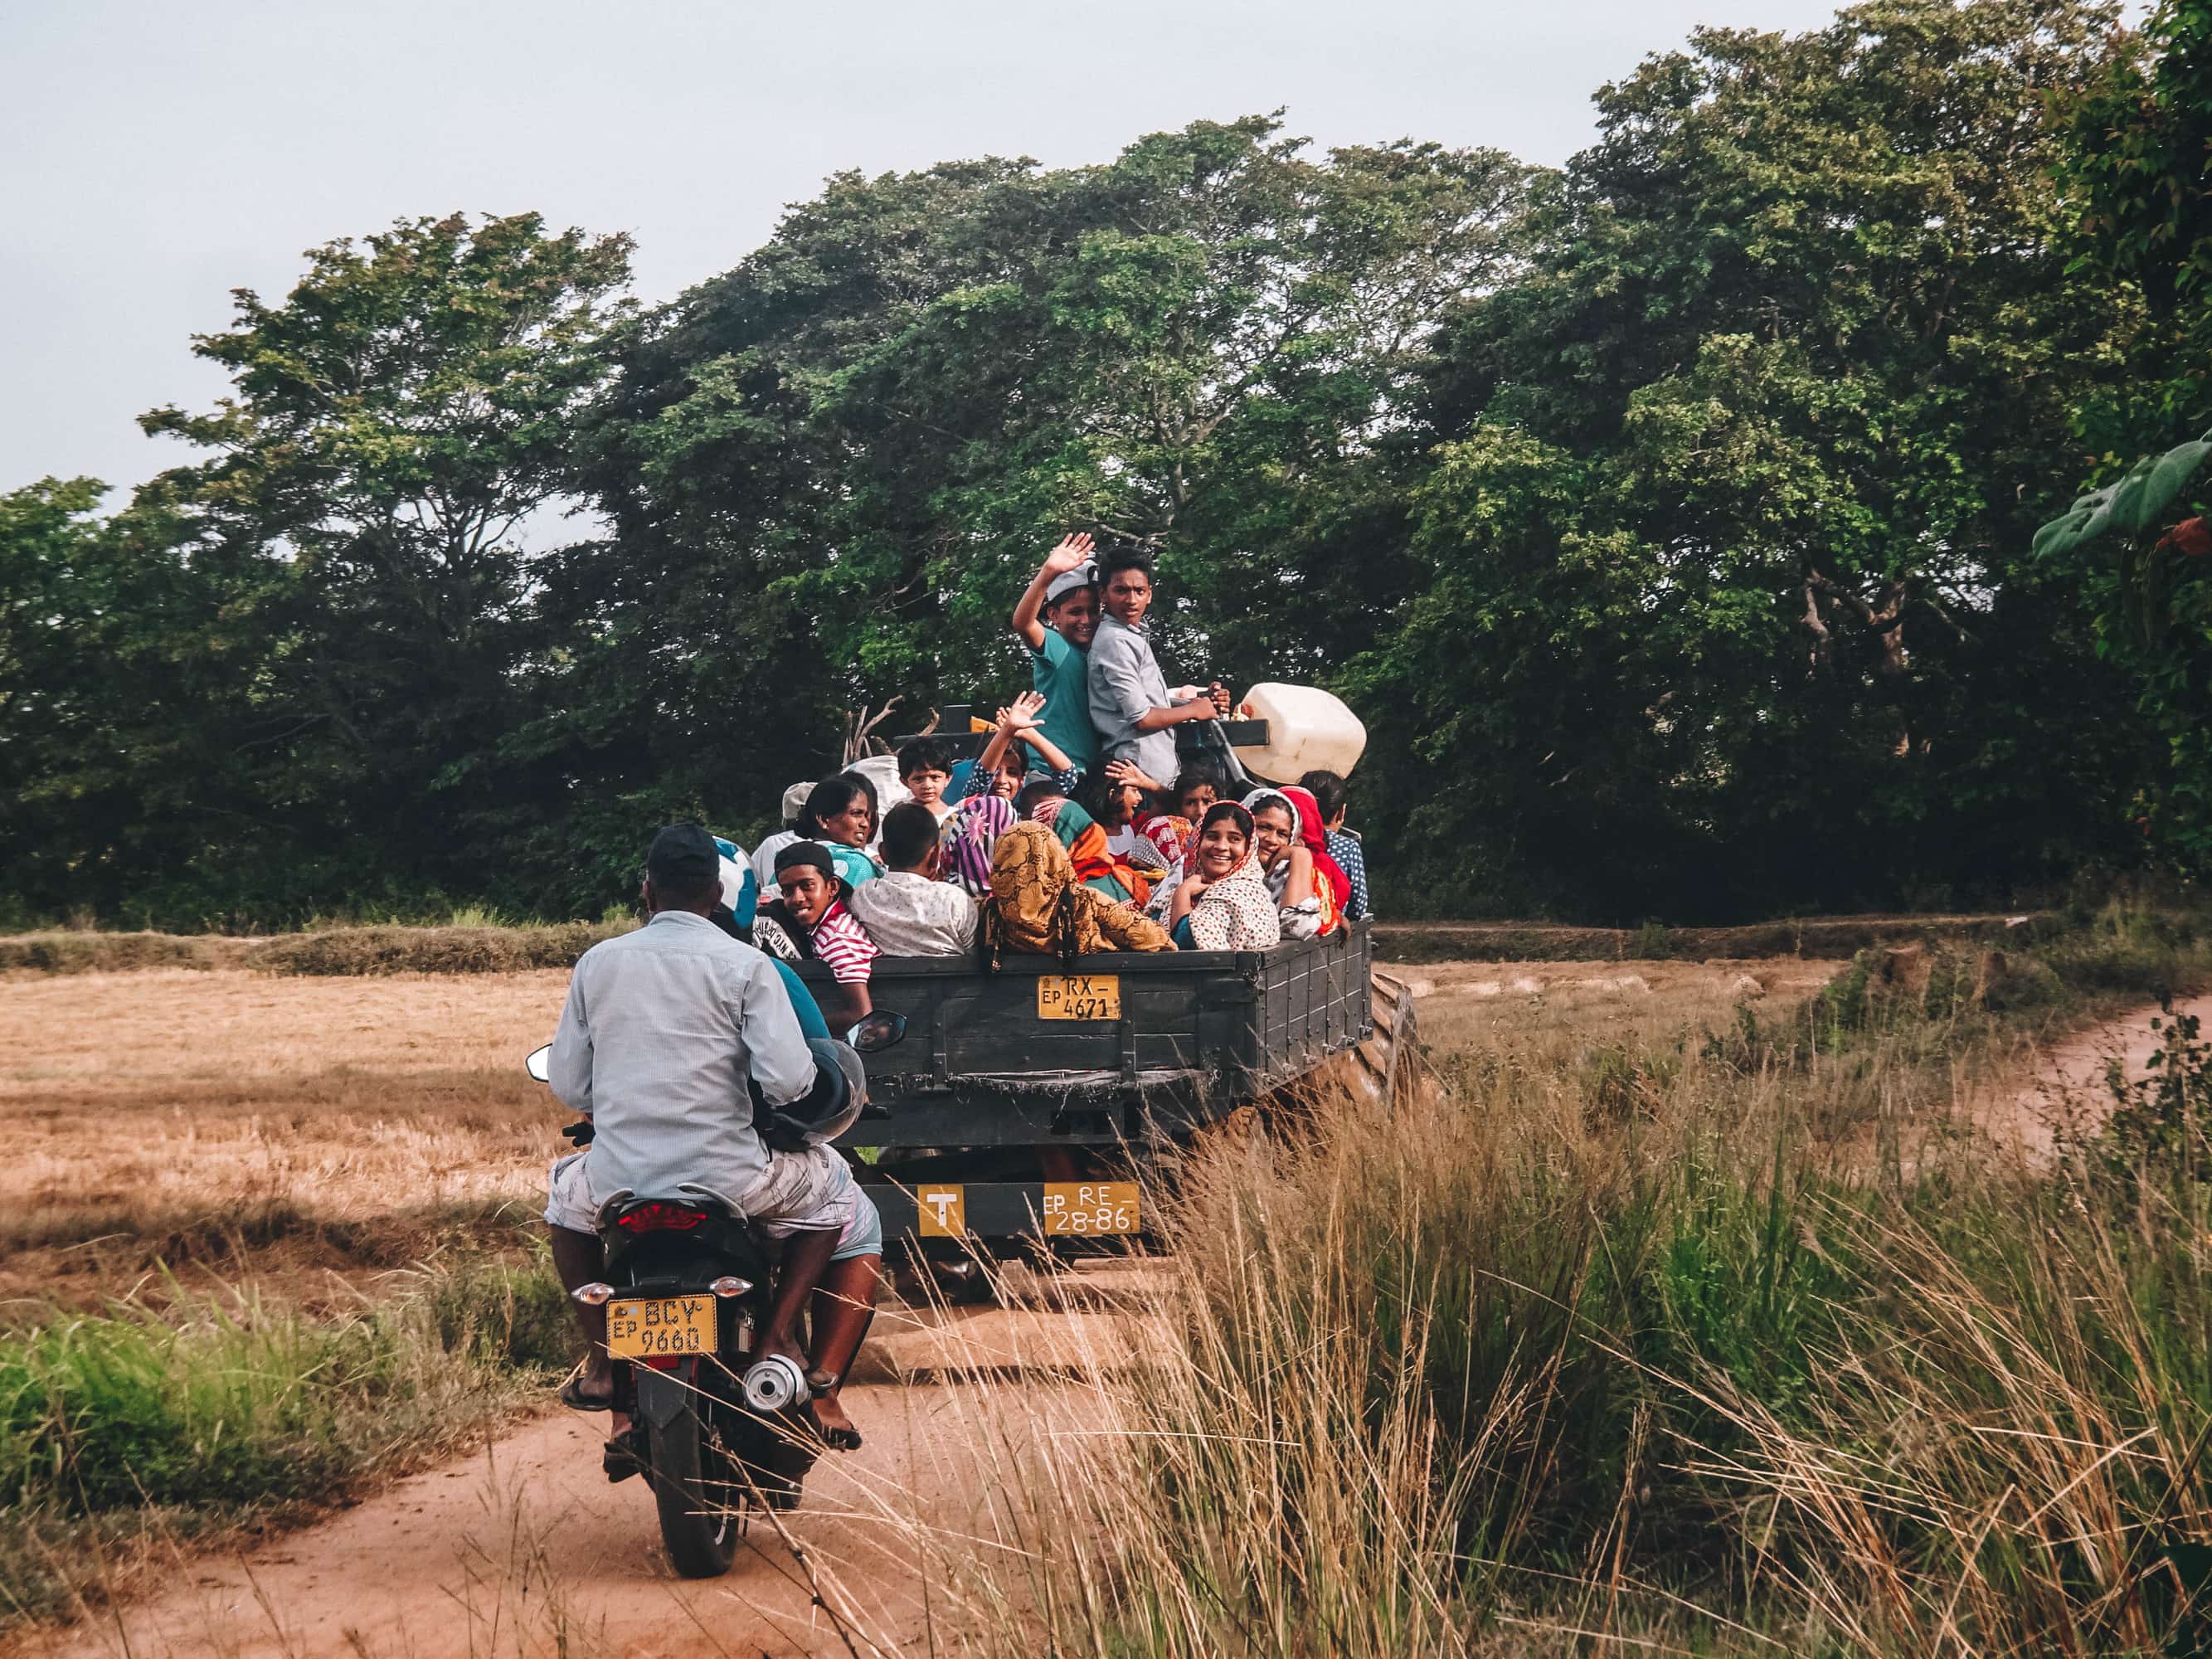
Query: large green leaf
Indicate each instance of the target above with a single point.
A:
(2131, 506)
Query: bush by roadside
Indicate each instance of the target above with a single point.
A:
(488, 948)
(355, 951)
(206, 1417)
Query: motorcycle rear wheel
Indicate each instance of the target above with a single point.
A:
(700, 1492)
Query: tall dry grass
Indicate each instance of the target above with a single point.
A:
(1735, 1342)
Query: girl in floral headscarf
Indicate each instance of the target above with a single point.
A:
(1224, 905)
(977, 824)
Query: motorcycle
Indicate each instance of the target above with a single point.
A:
(716, 1431)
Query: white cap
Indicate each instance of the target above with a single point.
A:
(1083, 576)
(794, 801)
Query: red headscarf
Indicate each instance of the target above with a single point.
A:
(1310, 834)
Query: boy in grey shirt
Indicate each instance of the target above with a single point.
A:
(1135, 712)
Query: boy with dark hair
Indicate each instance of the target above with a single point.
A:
(1330, 793)
(924, 767)
(1135, 712)
(909, 911)
(1056, 617)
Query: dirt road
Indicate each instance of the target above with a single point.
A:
(526, 1550)
(2068, 1088)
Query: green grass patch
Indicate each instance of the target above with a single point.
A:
(212, 1415)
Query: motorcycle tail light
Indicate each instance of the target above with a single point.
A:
(592, 1296)
(661, 1218)
(730, 1285)
(661, 1362)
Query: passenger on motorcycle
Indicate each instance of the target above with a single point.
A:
(664, 1030)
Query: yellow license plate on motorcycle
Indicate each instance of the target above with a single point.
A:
(1082, 1209)
(1080, 996)
(657, 1327)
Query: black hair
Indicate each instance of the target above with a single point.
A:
(1227, 808)
(1329, 791)
(1042, 786)
(1197, 772)
(832, 796)
(1125, 558)
(925, 755)
(1098, 787)
(909, 831)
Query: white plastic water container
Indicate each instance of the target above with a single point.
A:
(1309, 730)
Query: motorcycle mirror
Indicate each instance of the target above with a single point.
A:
(540, 1064)
(877, 1031)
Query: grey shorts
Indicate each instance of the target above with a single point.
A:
(813, 1191)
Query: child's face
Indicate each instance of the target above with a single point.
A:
(926, 785)
(851, 825)
(1076, 618)
(1195, 800)
(1271, 832)
(1128, 596)
(806, 891)
(1220, 849)
(1123, 801)
(1008, 783)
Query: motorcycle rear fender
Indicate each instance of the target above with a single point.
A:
(661, 1394)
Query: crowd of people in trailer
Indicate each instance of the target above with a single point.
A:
(1077, 829)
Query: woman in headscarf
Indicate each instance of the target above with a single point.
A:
(1224, 905)
(1313, 834)
(1304, 899)
(1038, 906)
(977, 824)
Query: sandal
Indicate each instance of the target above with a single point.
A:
(573, 1396)
(619, 1459)
(846, 1439)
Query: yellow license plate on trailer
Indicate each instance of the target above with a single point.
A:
(657, 1327)
(1080, 996)
(1088, 1208)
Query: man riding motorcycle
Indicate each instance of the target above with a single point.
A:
(670, 1037)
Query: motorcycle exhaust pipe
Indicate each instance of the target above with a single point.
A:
(776, 1384)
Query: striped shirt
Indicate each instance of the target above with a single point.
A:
(840, 941)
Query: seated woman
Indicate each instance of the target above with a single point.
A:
(1038, 906)
(1224, 904)
(812, 916)
(1306, 902)
(841, 817)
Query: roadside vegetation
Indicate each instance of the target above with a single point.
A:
(1741, 1338)
(129, 1430)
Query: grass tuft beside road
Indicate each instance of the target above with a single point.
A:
(132, 1426)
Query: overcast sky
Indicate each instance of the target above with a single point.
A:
(159, 154)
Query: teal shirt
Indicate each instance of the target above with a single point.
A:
(1062, 674)
(802, 1000)
(854, 865)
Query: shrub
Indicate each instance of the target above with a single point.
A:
(349, 951)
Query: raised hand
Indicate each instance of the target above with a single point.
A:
(1073, 553)
(1121, 771)
(1021, 715)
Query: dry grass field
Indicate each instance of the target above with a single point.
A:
(240, 1128)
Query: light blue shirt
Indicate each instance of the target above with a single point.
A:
(662, 1030)
(1125, 681)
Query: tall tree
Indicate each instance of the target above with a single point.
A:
(1796, 350)
(400, 425)
(831, 472)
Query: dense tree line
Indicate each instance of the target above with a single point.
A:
(1667, 517)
